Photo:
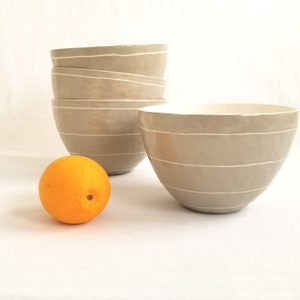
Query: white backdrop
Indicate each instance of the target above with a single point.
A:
(219, 50)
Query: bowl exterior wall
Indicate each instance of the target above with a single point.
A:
(103, 144)
(91, 121)
(74, 87)
(109, 136)
(114, 104)
(116, 153)
(217, 164)
(219, 150)
(104, 74)
(216, 179)
(153, 64)
(213, 203)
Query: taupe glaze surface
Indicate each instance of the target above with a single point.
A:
(217, 158)
(109, 74)
(110, 135)
(101, 118)
(117, 154)
(168, 146)
(117, 104)
(103, 144)
(142, 60)
(68, 83)
(120, 163)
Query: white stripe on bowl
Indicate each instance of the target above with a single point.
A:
(110, 54)
(96, 108)
(213, 193)
(111, 100)
(106, 78)
(114, 72)
(218, 166)
(213, 133)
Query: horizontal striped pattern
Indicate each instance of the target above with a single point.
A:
(217, 158)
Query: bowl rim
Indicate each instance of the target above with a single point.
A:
(62, 53)
(188, 109)
(133, 105)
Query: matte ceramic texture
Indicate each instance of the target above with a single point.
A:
(103, 144)
(101, 118)
(120, 163)
(107, 131)
(117, 153)
(147, 59)
(217, 158)
(74, 83)
(92, 120)
(117, 104)
(109, 74)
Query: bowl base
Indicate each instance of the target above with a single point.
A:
(118, 172)
(213, 210)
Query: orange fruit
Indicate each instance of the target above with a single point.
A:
(74, 189)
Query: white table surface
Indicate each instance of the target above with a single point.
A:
(146, 246)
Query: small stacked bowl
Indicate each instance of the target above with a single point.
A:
(98, 92)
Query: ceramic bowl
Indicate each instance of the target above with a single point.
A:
(217, 158)
(106, 131)
(95, 84)
(138, 59)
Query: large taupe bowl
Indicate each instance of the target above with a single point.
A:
(73, 83)
(106, 131)
(139, 59)
(217, 158)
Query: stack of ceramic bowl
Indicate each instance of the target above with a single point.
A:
(97, 94)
